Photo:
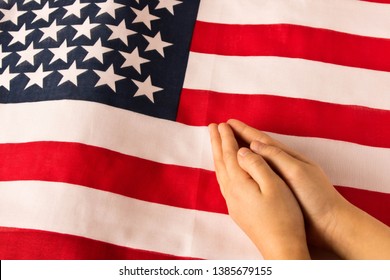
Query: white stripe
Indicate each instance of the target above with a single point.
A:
(162, 141)
(105, 126)
(289, 77)
(346, 164)
(123, 221)
(349, 16)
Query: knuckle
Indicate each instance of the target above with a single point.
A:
(245, 130)
(255, 161)
(233, 192)
(298, 170)
(272, 151)
(229, 156)
(235, 188)
(264, 138)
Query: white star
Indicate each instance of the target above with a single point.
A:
(75, 9)
(120, 32)
(96, 51)
(36, 77)
(20, 35)
(51, 31)
(61, 52)
(6, 78)
(144, 16)
(155, 43)
(133, 60)
(28, 54)
(108, 78)
(11, 14)
(168, 4)
(71, 74)
(85, 28)
(108, 7)
(146, 88)
(43, 13)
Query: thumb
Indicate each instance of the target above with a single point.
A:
(285, 164)
(256, 167)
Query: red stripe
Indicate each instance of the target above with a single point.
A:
(290, 116)
(19, 244)
(377, 1)
(295, 41)
(110, 171)
(107, 170)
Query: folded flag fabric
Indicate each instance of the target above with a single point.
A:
(104, 149)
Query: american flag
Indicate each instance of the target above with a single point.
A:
(104, 150)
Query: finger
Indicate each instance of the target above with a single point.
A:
(229, 150)
(250, 134)
(216, 145)
(257, 168)
(284, 163)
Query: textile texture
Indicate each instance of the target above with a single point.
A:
(104, 107)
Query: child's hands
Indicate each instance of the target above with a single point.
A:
(318, 198)
(264, 207)
(258, 200)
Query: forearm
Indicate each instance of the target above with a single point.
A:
(357, 235)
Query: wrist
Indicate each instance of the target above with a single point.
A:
(340, 234)
(287, 249)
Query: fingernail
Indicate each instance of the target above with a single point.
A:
(243, 152)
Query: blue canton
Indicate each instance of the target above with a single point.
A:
(130, 54)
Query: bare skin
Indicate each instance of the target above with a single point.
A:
(258, 200)
(272, 192)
